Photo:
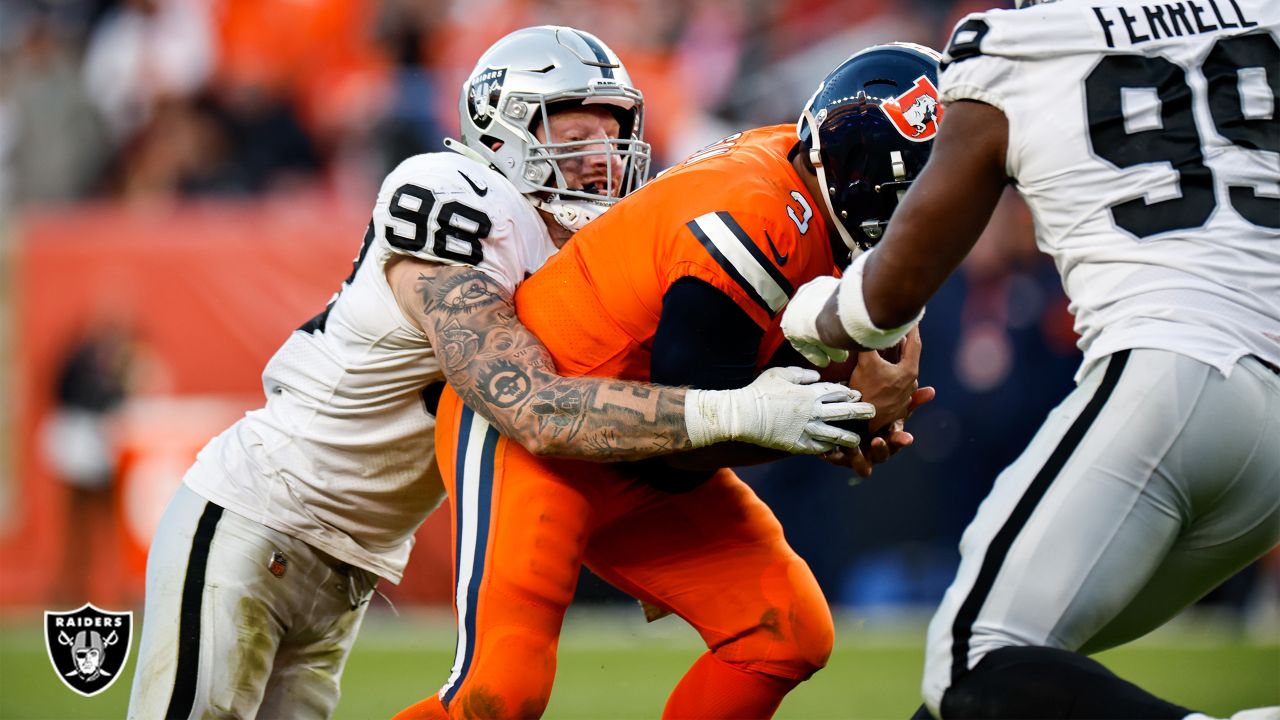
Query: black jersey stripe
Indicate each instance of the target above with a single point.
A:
(998, 550)
(728, 266)
(188, 667)
(317, 323)
(602, 57)
(756, 253)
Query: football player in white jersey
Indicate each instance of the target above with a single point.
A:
(1145, 137)
(263, 564)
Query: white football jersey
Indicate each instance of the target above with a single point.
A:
(338, 456)
(1145, 137)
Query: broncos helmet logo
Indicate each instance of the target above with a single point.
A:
(919, 120)
(922, 112)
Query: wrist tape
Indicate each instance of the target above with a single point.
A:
(852, 310)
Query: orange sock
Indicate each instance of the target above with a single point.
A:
(715, 689)
(427, 709)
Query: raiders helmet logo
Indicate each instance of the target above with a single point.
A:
(483, 94)
(88, 647)
(917, 112)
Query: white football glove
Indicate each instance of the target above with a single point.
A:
(800, 321)
(784, 409)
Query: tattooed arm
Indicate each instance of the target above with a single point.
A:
(502, 371)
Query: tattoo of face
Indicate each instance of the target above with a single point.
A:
(464, 294)
(505, 384)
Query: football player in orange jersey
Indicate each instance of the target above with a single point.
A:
(682, 283)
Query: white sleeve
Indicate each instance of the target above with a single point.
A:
(444, 208)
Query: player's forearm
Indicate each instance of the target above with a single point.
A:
(583, 418)
(502, 371)
(935, 226)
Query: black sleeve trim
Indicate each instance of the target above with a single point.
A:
(972, 31)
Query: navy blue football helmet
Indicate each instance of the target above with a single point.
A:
(868, 131)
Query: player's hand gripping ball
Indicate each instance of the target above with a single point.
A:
(842, 373)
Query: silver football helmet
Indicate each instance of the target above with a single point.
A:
(518, 83)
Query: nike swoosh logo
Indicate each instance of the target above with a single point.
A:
(480, 189)
(777, 256)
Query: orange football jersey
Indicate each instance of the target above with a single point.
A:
(735, 215)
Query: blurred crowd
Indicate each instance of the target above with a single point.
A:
(158, 99)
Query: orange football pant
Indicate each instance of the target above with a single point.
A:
(715, 556)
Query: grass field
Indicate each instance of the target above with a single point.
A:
(614, 666)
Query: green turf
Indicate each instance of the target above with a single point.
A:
(616, 667)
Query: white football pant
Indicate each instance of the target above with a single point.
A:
(1153, 482)
(223, 636)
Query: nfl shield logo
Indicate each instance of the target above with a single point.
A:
(88, 647)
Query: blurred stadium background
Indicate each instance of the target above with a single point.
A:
(183, 182)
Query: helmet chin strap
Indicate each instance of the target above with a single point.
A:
(815, 158)
(470, 152)
(572, 215)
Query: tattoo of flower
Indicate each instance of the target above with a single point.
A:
(458, 346)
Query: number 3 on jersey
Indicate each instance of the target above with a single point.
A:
(459, 228)
(1177, 141)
